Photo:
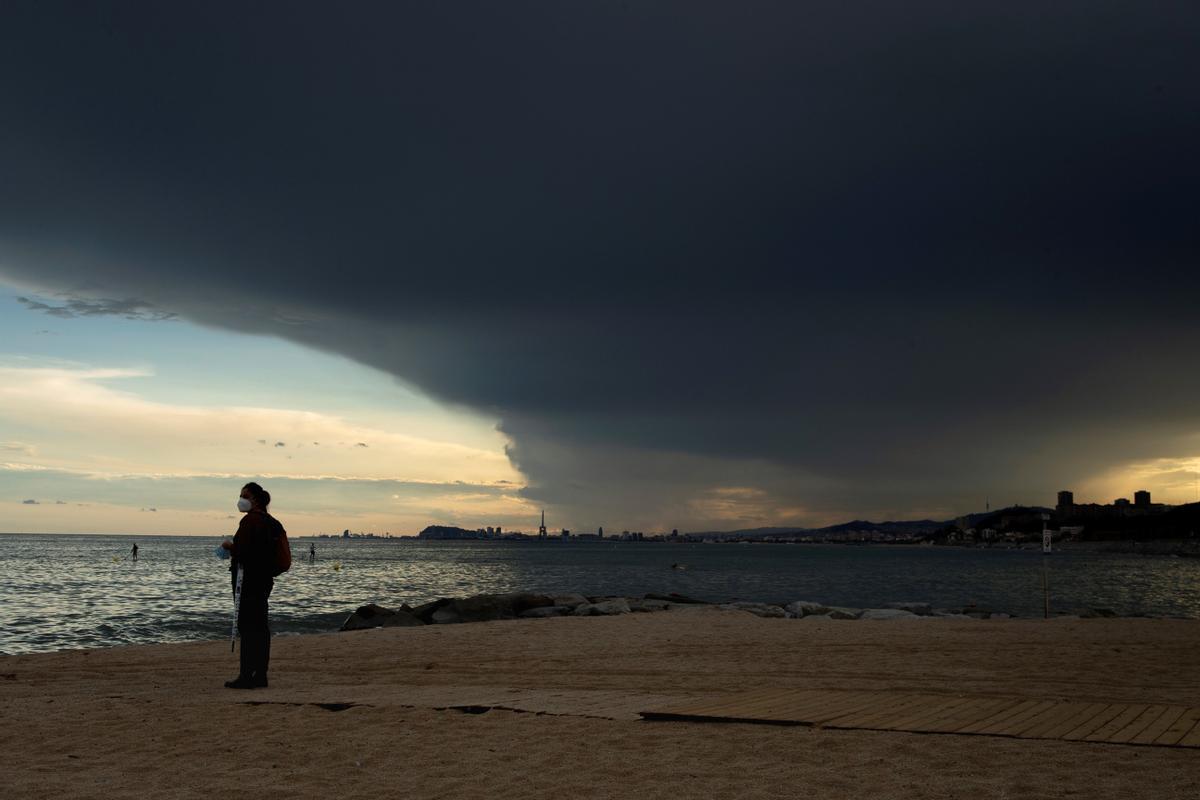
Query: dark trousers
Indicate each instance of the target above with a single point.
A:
(253, 627)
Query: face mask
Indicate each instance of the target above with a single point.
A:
(243, 505)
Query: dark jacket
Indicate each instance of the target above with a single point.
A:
(254, 547)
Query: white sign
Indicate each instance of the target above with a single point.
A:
(1045, 540)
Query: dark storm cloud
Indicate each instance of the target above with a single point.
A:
(76, 307)
(856, 256)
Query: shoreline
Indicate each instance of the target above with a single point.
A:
(533, 607)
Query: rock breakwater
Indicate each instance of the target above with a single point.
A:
(524, 605)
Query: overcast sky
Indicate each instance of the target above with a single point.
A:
(700, 265)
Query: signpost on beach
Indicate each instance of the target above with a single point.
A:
(1045, 577)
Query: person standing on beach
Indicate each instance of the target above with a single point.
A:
(253, 549)
(133, 552)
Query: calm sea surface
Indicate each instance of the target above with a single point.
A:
(60, 592)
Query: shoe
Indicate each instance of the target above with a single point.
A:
(259, 681)
(240, 682)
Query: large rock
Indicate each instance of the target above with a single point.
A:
(944, 614)
(842, 612)
(541, 612)
(569, 600)
(887, 613)
(602, 609)
(757, 609)
(486, 607)
(643, 606)
(920, 609)
(373, 616)
(424, 612)
(805, 608)
(676, 598)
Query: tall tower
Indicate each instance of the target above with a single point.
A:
(542, 527)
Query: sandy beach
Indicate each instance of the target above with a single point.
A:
(369, 713)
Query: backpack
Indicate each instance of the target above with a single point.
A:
(281, 551)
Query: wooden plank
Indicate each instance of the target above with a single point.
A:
(861, 705)
(1118, 723)
(1102, 733)
(764, 706)
(1138, 724)
(1004, 712)
(1055, 715)
(932, 711)
(892, 719)
(881, 716)
(1037, 716)
(686, 705)
(1156, 728)
(725, 703)
(882, 705)
(808, 699)
(978, 709)
(1083, 730)
(745, 703)
(1055, 728)
(829, 704)
(1191, 738)
(1019, 711)
(745, 706)
(1179, 728)
(1020, 718)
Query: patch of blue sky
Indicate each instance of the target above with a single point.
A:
(198, 365)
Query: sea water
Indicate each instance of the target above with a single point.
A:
(73, 591)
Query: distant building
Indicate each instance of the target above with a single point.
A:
(542, 527)
(600, 532)
(1141, 498)
(1121, 501)
(1066, 500)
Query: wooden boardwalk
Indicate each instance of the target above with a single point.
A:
(1116, 723)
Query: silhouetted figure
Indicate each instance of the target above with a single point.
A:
(312, 553)
(133, 552)
(253, 550)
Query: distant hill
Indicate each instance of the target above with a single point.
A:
(1026, 518)
(907, 526)
(753, 532)
(916, 526)
(447, 532)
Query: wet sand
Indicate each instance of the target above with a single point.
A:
(367, 714)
